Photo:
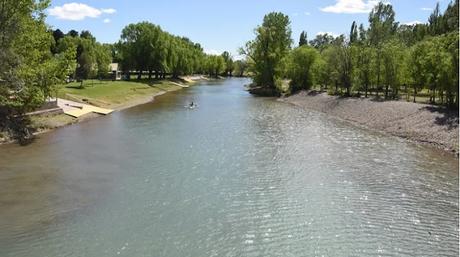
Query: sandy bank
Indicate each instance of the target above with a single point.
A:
(420, 123)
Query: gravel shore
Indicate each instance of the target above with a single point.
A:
(422, 123)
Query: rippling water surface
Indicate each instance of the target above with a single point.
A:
(238, 176)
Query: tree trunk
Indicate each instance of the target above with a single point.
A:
(365, 88)
(415, 91)
(139, 75)
(150, 74)
(386, 91)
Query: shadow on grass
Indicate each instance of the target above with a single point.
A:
(449, 117)
(90, 83)
(149, 82)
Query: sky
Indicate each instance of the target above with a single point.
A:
(223, 25)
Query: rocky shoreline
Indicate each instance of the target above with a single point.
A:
(420, 123)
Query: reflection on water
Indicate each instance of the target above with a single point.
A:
(237, 176)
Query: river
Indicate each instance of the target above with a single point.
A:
(236, 176)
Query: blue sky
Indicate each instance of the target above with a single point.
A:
(222, 25)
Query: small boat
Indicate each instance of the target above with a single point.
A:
(191, 106)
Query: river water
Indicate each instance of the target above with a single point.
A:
(237, 176)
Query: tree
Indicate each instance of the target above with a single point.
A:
(146, 47)
(362, 56)
(345, 66)
(416, 63)
(29, 71)
(57, 35)
(73, 33)
(103, 60)
(322, 41)
(300, 67)
(321, 72)
(215, 65)
(229, 65)
(392, 58)
(303, 38)
(353, 33)
(435, 21)
(266, 51)
(381, 27)
(86, 34)
(240, 67)
(330, 71)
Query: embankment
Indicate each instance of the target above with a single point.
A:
(421, 123)
(116, 95)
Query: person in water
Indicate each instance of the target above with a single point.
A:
(192, 104)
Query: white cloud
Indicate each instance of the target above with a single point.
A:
(307, 13)
(77, 11)
(109, 11)
(327, 32)
(426, 9)
(412, 23)
(351, 6)
(295, 14)
(106, 20)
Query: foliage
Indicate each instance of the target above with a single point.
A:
(146, 47)
(266, 52)
(240, 68)
(229, 64)
(300, 67)
(303, 38)
(29, 70)
(214, 65)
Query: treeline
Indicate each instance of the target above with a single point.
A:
(92, 58)
(146, 48)
(384, 58)
(143, 49)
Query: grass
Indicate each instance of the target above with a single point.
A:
(111, 94)
(46, 122)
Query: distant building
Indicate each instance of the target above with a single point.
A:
(114, 70)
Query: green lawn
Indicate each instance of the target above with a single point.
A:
(111, 94)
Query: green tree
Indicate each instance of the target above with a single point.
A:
(417, 66)
(266, 51)
(322, 41)
(362, 56)
(29, 71)
(353, 33)
(240, 67)
(229, 64)
(300, 67)
(303, 38)
(392, 59)
(382, 27)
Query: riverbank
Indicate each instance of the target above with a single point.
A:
(420, 123)
(116, 95)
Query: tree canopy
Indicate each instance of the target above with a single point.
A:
(383, 58)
